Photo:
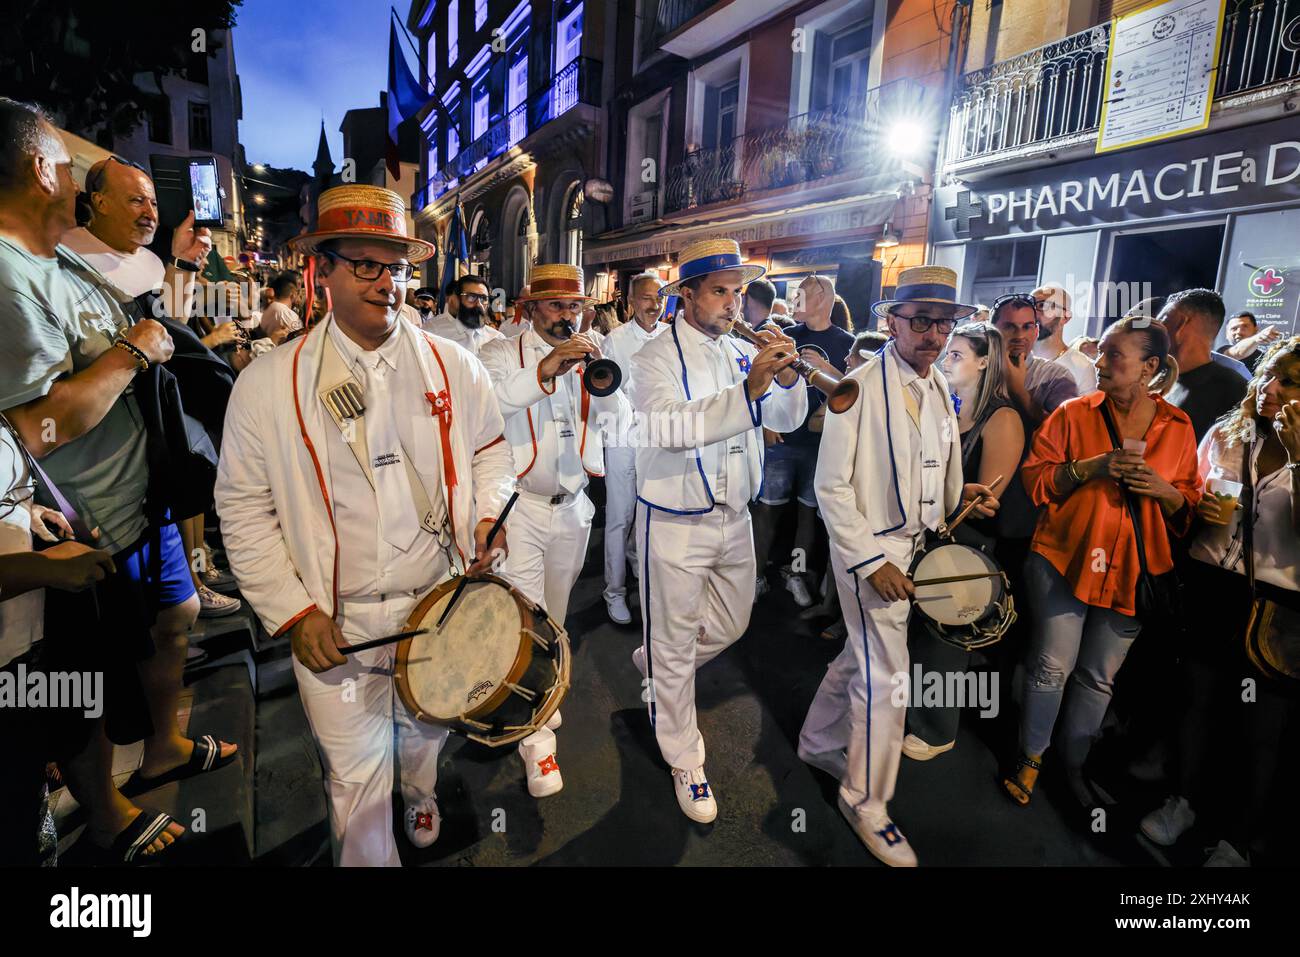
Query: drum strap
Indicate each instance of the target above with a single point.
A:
(344, 399)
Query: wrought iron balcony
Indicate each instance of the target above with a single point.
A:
(1054, 94)
(579, 82)
(804, 149)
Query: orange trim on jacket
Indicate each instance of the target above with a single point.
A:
(1085, 532)
(320, 479)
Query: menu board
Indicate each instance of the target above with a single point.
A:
(1160, 72)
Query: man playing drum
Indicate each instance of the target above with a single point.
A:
(890, 468)
(708, 395)
(359, 468)
(552, 428)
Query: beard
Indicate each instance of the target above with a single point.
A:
(471, 316)
(560, 329)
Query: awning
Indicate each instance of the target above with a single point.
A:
(815, 220)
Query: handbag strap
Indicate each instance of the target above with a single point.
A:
(79, 527)
(1129, 497)
(1248, 514)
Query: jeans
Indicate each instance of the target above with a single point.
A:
(1072, 643)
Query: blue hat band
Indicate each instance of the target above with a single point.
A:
(702, 267)
(926, 290)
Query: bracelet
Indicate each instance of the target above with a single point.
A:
(142, 361)
(1072, 471)
(184, 264)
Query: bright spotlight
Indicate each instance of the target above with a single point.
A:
(906, 138)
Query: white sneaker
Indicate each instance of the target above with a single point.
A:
(619, 613)
(423, 823)
(881, 837)
(214, 577)
(544, 778)
(638, 659)
(212, 605)
(1167, 823)
(1225, 855)
(833, 763)
(918, 750)
(797, 587)
(695, 796)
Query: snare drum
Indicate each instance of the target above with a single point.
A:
(497, 669)
(972, 611)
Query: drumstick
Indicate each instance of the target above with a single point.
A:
(366, 645)
(955, 578)
(464, 580)
(961, 516)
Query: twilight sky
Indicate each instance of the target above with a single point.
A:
(296, 60)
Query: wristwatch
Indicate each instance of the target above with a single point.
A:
(184, 264)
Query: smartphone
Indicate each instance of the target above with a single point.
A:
(205, 193)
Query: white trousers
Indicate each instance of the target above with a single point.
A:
(697, 589)
(859, 707)
(352, 710)
(620, 518)
(547, 546)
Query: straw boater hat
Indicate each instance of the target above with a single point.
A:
(362, 212)
(711, 255)
(558, 281)
(934, 285)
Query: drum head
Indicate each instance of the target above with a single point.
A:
(457, 670)
(959, 602)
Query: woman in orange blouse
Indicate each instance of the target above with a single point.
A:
(1082, 572)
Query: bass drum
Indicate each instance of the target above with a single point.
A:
(495, 671)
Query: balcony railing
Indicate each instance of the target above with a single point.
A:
(1054, 94)
(804, 149)
(579, 82)
(671, 14)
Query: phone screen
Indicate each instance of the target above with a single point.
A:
(206, 193)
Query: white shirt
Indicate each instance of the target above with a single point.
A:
(621, 345)
(1277, 548)
(556, 421)
(368, 565)
(449, 327)
(929, 464)
(1081, 367)
(731, 480)
(22, 619)
(134, 273)
(279, 316)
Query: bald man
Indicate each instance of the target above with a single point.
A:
(1054, 315)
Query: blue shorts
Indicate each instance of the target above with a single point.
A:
(165, 577)
(789, 469)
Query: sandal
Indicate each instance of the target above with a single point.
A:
(1020, 785)
(130, 846)
(205, 757)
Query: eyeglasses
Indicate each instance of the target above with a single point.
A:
(1020, 299)
(923, 324)
(368, 270)
(474, 298)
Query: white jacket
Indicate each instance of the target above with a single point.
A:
(273, 494)
(679, 429)
(512, 364)
(861, 489)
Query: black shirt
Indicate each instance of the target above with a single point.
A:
(1251, 361)
(831, 344)
(1206, 393)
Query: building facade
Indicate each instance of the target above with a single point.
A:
(1026, 197)
(514, 132)
(804, 130)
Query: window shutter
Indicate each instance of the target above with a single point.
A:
(710, 117)
(821, 75)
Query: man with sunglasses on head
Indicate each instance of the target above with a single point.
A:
(361, 465)
(889, 470)
(465, 321)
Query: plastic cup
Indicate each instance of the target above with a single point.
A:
(1226, 495)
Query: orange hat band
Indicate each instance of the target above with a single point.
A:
(362, 218)
(558, 286)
